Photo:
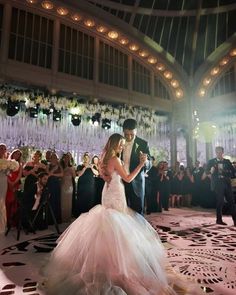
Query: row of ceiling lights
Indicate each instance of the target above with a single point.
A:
(214, 72)
(114, 35)
(14, 107)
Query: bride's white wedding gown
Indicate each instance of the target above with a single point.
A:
(109, 251)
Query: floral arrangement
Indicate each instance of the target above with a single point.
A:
(6, 165)
(147, 118)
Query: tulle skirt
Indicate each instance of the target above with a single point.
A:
(107, 252)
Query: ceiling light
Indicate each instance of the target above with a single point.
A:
(202, 92)
(76, 17)
(62, 11)
(32, 1)
(124, 41)
(101, 29)
(56, 115)
(160, 67)
(174, 83)
(152, 60)
(206, 81)
(179, 93)
(96, 119)
(224, 61)
(113, 35)
(133, 47)
(13, 108)
(47, 4)
(168, 75)
(143, 53)
(89, 23)
(76, 120)
(106, 124)
(215, 71)
(233, 52)
(33, 112)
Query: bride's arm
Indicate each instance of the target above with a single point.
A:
(121, 170)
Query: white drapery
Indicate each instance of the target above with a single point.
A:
(44, 133)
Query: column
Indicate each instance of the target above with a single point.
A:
(173, 141)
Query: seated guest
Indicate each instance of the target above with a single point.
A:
(32, 198)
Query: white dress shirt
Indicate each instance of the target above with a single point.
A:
(127, 154)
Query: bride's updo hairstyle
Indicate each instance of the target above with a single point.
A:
(109, 151)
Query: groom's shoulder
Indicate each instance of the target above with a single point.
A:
(141, 141)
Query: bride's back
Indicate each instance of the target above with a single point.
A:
(113, 194)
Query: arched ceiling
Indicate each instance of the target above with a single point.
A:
(188, 30)
(189, 36)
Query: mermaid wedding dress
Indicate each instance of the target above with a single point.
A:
(110, 250)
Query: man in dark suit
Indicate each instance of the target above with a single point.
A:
(221, 173)
(135, 148)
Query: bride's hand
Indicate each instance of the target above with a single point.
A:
(142, 158)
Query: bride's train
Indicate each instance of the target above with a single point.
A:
(111, 250)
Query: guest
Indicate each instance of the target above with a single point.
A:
(32, 198)
(188, 182)
(47, 159)
(5, 167)
(32, 168)
(55, 173)
(74, 195)
(221, 173)
(99, 182)
(177, 188)
(151, 188)
(197, 186)
(164, 186)
(66, 188)
(13, 179)
(86, 188)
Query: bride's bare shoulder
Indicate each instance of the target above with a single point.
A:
(114, 160)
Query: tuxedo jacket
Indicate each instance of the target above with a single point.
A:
(138, 183)
(227, 173)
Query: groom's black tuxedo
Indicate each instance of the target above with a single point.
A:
(221, 185)
(135, 190)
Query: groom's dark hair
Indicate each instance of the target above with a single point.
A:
(130, 124)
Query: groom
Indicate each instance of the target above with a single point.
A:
(135, 148)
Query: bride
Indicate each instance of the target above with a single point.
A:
(110, 250)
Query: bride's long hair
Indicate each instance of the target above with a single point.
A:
(109, 151)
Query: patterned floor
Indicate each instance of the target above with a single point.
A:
(196, 248)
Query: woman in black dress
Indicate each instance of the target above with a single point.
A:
(86, 186)
(99, 182)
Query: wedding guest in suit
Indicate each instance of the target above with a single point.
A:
(134, 150)
(31, 201)
(222, 171)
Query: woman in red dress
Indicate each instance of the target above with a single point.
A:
(13, 179)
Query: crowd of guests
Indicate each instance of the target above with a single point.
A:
(66, 188)
(178, 187)
(71, 190)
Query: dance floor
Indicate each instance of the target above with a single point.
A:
(196, 248)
